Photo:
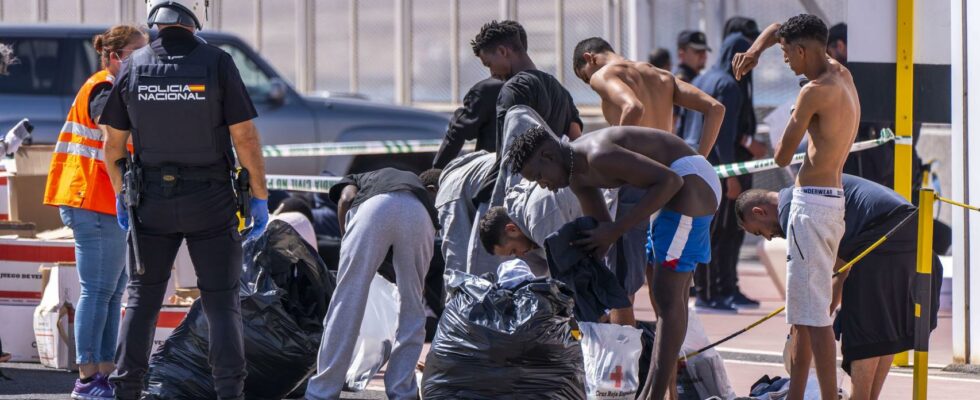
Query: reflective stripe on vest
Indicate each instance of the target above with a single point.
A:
(82, 130)
(77, 177)
(80, 150)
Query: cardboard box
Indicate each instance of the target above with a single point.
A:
(17, 332)
(54, 319)
(24, 230)
(4, 197)
(26, 197)
(20, 281)
(26, 181)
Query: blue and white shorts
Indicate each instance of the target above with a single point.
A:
(679, 242)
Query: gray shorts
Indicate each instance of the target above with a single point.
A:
(627, 258)
(816, 224)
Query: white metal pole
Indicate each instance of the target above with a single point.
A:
(966, 224)
(304, 45)
(352, 46)
(559, 40)
(214, 15)
(41, 10)
(454, 51)
(80, 9)
(257, 32)
(403, 51)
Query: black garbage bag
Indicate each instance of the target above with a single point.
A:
(281, 342)
(294, 266)
(495, 343)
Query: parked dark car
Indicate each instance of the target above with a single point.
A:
(55, 60)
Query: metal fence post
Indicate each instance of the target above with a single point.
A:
(454, 51)
(507, 9)
(904, 53)
(305, 48)
(403, 51)
(559, 40)
(352, 44)
(257, 25)
(41, 10)
(923, 295)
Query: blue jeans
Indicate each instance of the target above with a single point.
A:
(100, 255)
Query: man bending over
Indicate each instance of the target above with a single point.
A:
(828, 108)
(876, 318)
(675, 180)
(520, 227)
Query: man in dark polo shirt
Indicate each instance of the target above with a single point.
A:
(876, 317)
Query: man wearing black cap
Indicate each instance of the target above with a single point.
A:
(692, 54)
(186, 187)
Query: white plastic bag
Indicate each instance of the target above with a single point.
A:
(512, 273)
(612, 354)
(707, 370)
(377, 335)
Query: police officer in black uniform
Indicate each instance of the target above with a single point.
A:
(185, 105)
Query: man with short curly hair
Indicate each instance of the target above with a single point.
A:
(502, 47)
(828, 108)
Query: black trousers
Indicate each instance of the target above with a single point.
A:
(203, 214)
(719, 278)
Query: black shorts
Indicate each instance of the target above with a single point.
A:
(877, 315)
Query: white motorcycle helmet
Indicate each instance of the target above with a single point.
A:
(176, 12)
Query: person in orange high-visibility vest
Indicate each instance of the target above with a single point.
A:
(79, 186)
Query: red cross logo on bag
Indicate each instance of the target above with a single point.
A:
(617, 375)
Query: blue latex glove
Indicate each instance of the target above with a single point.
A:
(258, 210)
(122, 217)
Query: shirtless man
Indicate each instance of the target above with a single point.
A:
(675, 180)
(827, 108)
(639, 94)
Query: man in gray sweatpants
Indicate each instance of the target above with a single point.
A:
(378, 210)
(458, 184)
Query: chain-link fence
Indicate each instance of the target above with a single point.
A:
(358, 45)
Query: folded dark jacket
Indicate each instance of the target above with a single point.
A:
(596, 288)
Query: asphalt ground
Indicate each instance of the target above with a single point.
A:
(35, 382)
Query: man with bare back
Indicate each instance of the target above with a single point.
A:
(639, 94)
(674, 180)
(828, 108)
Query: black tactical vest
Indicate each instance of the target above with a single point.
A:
(174, 103)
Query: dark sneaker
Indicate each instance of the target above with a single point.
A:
(723, 305)
(96, 389)
(741, 301)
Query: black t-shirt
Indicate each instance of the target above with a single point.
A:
(476, 119)
(97, 99)
(543, 93)
(865, 203)
(385, 180)
(236, 104)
